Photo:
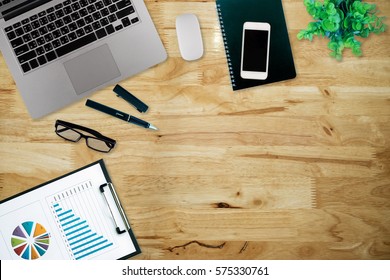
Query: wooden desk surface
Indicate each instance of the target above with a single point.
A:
(293, 170)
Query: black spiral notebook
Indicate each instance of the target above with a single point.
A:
(232, 15)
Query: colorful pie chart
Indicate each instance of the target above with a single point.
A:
(30, 240)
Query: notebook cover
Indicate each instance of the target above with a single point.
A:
(232, 15)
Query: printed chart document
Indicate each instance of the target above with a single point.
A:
(77, 217)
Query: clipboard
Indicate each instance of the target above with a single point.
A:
(77, 216)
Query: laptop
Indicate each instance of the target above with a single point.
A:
(61, 51)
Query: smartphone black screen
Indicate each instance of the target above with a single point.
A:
(255, 50)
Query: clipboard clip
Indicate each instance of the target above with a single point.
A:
(118, 206)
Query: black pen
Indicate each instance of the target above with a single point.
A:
(118, 114)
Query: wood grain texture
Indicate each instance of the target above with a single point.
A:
(293, 170)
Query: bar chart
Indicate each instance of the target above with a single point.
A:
(76, 214)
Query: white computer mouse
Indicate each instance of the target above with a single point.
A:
(189, 37)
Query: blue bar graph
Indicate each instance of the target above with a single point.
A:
(82, 240)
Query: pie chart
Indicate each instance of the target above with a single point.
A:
(30, 240)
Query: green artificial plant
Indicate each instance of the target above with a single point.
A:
(342, 21)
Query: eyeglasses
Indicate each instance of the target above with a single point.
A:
(71, 132)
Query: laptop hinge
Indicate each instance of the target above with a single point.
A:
(22, 8)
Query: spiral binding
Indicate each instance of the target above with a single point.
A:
(233, 81)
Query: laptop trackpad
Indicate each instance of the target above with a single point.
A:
(92, 69)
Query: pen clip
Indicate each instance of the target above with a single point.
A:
(130, 98)
(118, 205)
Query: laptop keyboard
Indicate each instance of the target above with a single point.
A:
(65, 27)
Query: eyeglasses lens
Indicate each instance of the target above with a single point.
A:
(68, 133)
(98, 144)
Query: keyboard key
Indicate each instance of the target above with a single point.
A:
(35, 24)
(83, 12)
(99, 5)
(26, 57)
(43, 30)
(22, 49)
(51, 17)
(67, 19)
(125, 12)
(50, 10)
(101, 33)
(126, 21)
(97, 15)
(34, 64)
(112, 8)
(57, 34)
(35, 34)
(11, 35)
(105, 12)
(134, 20)
(27, 38)
(80, 32)
(43, 20)
(42, 60)
(68, 10)
(59, 13)
(64, 40)
(123, 3)
(48, 47)
(96, 25)
(88, 19)
(112, 18)
(110, 29)
(26, 67)
(104, 21)
(80, 22)
(19, 31)
(59, 23)
(32, 45)
(91, 9)
(17, 42)
(40, 41)
(72, 36)
(27, 28)
(64, 30)
(72, 26)
(40, 51)
(75, 16)
(48, 37)
(83, 3)
(51, 56)
(75, 6)
(56, 43)
(88, 29)
(51, 27)
(83, 41)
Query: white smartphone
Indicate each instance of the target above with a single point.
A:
(255, 50)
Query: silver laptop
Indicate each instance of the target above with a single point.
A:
(60, 51)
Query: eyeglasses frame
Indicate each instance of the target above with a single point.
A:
(97, 135)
